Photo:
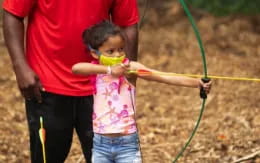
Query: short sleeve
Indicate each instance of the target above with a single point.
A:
(20, 8)
(125, 12)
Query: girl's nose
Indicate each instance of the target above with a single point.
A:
(118, 54)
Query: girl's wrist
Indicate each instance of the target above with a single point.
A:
(109, 70)
(199, 83)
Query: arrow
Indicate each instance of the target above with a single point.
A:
(143, 72)
(42, 133)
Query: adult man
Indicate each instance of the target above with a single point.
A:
(43, 68)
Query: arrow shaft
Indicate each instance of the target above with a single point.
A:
(209, 76)
(200, 76)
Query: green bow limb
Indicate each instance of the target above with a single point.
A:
(203, 56)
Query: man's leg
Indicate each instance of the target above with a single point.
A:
(84, 127)
(57, 114)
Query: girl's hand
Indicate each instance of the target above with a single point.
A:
(205, 86)
(119, 70)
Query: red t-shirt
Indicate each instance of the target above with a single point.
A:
(54, 41)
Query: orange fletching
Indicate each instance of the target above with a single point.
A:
(42, 131)
(42, 134)
(143, 72)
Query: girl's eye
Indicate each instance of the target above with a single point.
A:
(110, 51)
(121, 49)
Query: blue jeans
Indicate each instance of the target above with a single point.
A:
(123, 149)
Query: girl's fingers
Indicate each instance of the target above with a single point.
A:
(124, 65)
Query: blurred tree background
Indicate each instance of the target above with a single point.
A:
(226, 7)
(163, 13)
(215, 7)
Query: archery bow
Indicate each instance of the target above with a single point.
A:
(205, 78)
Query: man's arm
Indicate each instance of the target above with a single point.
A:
(28, 82)
(13, 28)
(131, 33)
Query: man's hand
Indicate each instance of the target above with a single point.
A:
(28, 83)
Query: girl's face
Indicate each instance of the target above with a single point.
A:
(113, 47)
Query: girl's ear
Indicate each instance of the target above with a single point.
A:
(94, 54)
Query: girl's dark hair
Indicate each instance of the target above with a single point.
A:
(96, 35)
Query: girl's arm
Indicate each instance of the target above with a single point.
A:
(172, 80)
(89, 69)
(85, 68)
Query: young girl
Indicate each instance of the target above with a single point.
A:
(115, 131)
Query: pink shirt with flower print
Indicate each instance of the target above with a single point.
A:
(114, 105)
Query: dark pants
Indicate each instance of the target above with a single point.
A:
(61, 114)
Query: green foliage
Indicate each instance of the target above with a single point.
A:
(226, 7)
